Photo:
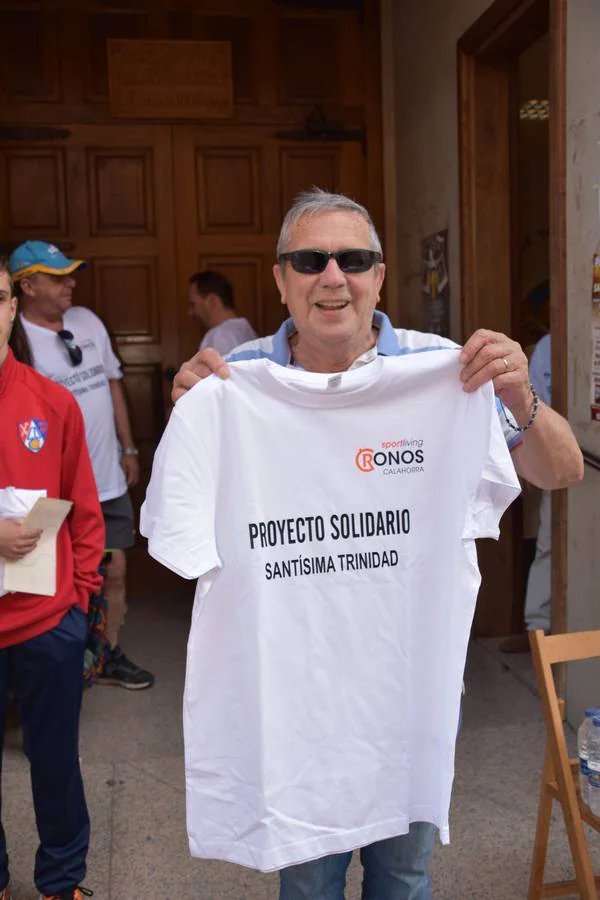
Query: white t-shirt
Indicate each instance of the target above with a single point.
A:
(88, 382)
(228, 335)
(330, 520)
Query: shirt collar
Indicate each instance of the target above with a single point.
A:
(387, 339)
(387, 342)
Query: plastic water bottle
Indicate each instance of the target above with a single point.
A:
(594, 765)
(583, 733)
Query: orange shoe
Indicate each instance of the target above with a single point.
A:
(76, 893)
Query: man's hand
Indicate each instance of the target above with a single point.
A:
(15, 540)
(491, 356)
(131, 467)
(204, 363)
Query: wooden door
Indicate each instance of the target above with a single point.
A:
(232, 187)
(103, 193)
(149, 203)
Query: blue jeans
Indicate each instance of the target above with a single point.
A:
(394, 869)
(46, 676)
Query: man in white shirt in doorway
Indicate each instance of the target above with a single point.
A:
(71, 346)
(329, 272)
(211, 303)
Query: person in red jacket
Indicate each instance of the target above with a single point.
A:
(42, 639)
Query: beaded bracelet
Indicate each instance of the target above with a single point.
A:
(532, 418)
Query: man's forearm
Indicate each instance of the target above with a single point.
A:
(549, 456)
(122, 422)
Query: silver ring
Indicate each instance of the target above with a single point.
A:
(506, 366)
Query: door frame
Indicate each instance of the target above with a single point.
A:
(488, 253)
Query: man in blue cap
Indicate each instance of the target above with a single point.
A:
(71, 346)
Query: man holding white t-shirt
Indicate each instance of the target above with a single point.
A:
(329, 274)
(71, 346)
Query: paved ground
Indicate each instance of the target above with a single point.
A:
(133, 767)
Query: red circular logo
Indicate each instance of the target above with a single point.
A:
(364, 459)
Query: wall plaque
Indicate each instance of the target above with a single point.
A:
(170, 79)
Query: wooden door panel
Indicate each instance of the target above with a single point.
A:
(228, 189)
(144, 384)
(98, 28)
(105, 192)
(37, 80)
(126, 296)
(319, 81)
(120, 207)
(120, 201)
(33, 192)
(239, 30)
(302, 167)
(121, 191)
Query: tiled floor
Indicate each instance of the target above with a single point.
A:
(132, 760)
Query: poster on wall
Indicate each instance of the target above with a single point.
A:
(436, 284)
(596, 336)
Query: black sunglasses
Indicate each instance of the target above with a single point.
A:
(313, 262)
(75, 354)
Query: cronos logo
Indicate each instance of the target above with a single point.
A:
(402, 457)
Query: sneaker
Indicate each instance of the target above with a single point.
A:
(121, 671)
(76, 893)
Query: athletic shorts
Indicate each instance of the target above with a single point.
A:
(119, 523)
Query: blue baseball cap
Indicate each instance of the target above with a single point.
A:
(38, 256)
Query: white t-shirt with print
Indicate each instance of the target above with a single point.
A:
(228, 335)
(88, 382)
(330, 520)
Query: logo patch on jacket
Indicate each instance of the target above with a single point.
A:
(33, 433)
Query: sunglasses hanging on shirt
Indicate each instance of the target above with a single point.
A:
(313, 262)
(74, 351)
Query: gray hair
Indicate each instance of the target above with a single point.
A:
(317, 201)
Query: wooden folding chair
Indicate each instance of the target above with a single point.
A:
(560, 780)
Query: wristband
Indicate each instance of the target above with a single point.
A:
(534, 411)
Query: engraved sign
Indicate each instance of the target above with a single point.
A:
(170, 79)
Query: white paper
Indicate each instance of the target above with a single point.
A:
(36, 572)
(15, 503)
